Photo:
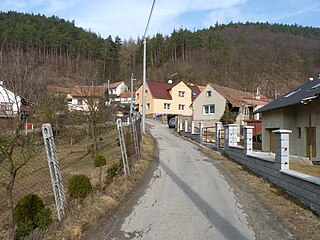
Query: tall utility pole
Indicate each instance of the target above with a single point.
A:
(144, 85)
(131, 103)
(145, 71)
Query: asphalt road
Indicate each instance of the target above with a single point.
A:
(189, 198)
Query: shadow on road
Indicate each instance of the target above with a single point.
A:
(219, 222)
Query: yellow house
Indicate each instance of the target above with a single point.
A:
(167, 98)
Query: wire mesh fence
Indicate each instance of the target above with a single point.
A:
(75, 149)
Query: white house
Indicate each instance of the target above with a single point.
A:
(10, 103)
(116, 88)
(82, 94)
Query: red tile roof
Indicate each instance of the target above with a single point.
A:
(56, 89)
(160, 90)
(127, 94)
(87, 91)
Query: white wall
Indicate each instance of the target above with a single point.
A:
(216, 99)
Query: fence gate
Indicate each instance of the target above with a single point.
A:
(123, 147)
(221, 137)
(57, 184)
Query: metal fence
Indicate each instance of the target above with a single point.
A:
(73, 148)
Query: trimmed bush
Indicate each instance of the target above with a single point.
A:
(99, 161)
(30, 213)
(79, 186)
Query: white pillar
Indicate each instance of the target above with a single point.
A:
(192, 127)
(181, 126)
(218, 128)
(201, 126)
(282, 149)
(248, 147)
(185, 125)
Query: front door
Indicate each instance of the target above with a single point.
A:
(311, 141)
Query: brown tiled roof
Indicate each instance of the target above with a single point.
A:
(56, 89)
(195, 91)
(87, 91)
(126, 94)
(238, 97)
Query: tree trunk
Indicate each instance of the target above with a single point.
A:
(10, 207)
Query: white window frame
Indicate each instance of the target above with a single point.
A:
(182, 93)
(80, 102)
(181, 107)
(167, 106)
(208, 109)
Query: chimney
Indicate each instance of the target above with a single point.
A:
(258, 97)
(170, 81)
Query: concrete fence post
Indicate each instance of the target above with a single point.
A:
(192, 127)
(218, 128)
(232, 135)
(185, 125)
(282, 149)
(180, 126)
(248, 145)
(201, 126)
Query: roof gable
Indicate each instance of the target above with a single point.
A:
(237, 97)
(301, 94)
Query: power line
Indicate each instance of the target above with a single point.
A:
(144, 35)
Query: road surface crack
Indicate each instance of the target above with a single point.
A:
(155, 201)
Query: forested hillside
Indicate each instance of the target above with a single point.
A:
(63, 52)
(275, 57)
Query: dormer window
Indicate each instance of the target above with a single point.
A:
(181, 93)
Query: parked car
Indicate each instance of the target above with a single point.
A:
(172, 123)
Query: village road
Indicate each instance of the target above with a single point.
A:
(187, 198)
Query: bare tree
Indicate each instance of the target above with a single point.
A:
(19, 84)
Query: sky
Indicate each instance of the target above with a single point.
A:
(128, 18)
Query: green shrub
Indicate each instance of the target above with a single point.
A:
(30, 213)
(99, 161)
(79, 186)
(112, 171)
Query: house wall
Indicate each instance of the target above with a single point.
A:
(216, 99)
(83, 107)
(292, 118)
(8, 97)
(157, 105)
(186, 100)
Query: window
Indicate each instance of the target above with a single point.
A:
(299, 132)
(181, 107)
(166, 105)
(181, 93)
(208, 93)
(137, 96)
(208, 109)
(6, 106)
(148, 106)
(80, 102)
(146, 93)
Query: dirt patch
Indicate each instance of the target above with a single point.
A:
(87, 215)
(312, 170)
